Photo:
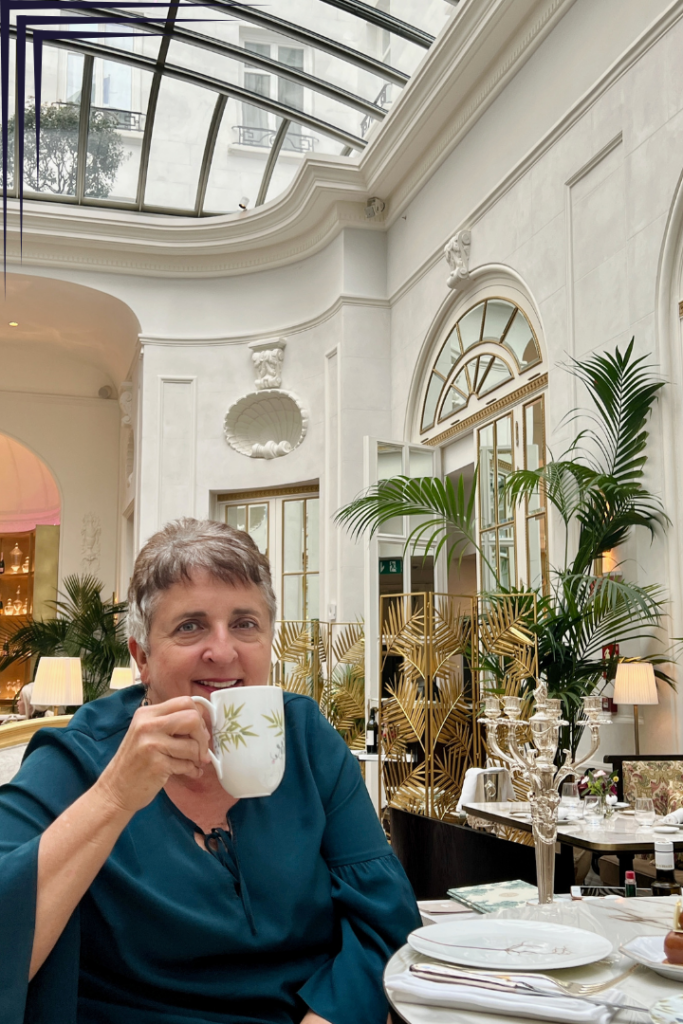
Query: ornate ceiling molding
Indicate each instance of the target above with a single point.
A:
(486, 42)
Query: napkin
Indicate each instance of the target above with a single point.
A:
(675, 818)
(473, 793)
(408, 988)
(437, 911)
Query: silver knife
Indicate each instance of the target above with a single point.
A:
(506, 985)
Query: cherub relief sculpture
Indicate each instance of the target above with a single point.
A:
(457, 253)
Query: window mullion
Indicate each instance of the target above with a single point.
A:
(84, 127)
(209, 149)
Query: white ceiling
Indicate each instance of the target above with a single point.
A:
(67, 335)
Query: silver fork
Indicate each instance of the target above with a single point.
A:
(574, 988)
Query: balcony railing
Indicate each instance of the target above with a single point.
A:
(126, 120)
(264, 138)
(381, 101)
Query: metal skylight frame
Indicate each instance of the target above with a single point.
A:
(289, 116)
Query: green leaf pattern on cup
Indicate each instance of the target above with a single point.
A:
(275, 721)
(232, 730)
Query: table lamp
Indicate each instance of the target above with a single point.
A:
(121, 677)
(58, 681)
(635, 684)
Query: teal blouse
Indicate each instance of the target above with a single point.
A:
(298, 904)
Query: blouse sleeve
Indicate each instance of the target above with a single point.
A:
(48, 782)
(374, 902)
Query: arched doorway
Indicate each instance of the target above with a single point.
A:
(30, 509)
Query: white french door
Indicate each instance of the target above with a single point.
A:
(388, 567)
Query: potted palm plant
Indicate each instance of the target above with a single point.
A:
(598, 486)
(85, 626)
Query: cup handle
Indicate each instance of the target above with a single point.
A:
(212, 712)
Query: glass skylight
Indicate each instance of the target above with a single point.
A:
(222, 107)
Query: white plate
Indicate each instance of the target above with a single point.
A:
(523, 945)
(668, 1011)
(649, 950)
(669, 829)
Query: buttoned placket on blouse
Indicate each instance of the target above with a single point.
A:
(224, 850)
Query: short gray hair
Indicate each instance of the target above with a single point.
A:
(186, 546)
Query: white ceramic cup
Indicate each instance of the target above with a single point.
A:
(248, 724)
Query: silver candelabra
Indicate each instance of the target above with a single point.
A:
(535, 762)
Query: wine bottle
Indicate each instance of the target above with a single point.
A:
(371, 731)
(665, 883)
(630, 884)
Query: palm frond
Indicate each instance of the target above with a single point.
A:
(623, 390)
(444, 504)
(85, 627)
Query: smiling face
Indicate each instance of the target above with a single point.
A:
(205, 635)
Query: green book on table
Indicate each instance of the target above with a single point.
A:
(494, 895)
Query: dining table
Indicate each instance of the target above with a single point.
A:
(617, 919)
(620, 834)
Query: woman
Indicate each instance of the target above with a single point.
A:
(135, 890)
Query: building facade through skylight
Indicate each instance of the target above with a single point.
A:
(220, 109)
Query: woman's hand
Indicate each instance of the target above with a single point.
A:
(162, 740)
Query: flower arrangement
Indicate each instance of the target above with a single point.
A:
(599, 783)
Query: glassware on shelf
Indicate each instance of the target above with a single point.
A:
(24, 607)
(26, 565)
(9, 608)
(16, 554)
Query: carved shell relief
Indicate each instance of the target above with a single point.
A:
(268, 422)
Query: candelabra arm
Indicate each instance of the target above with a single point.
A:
(595, 732)
(525, 761)
(568, 768)
(494, 748)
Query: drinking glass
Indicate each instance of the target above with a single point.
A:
(593, 811)
(645, 811)
(570, 803)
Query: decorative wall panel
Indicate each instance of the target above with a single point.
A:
(326, 661)
(428, 731)
(177, 432)
(439, 654)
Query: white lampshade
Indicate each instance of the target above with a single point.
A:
(58, 681)
(635, 683)
(121, 677)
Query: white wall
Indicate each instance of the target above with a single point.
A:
(335, 319)
(77, 438)
(580, 221)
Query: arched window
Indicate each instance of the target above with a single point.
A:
(460, 371)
